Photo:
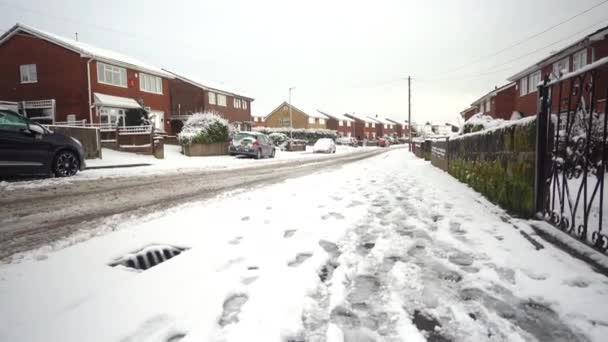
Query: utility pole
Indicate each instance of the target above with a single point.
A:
(76, 33)
(290, 118)
(409, 109)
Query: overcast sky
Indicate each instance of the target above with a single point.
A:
(343, 56)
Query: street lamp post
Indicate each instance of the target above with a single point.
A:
(290, 118)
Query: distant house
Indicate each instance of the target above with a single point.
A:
(401, 128)
(258, 120)
(365, 126)
(310, 118)
(62, 79)
(573, 57)
(342, 124)
(384, 128)
(498, 103)
(189, 95)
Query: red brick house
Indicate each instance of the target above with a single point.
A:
(365, 126)
(401, 128)
(342, 124)
(469, 112)
(188, 96)
(498, 103)
(258, 120)
(573, 57)
(384, 127)
(82, 81)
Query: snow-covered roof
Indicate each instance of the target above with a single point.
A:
(313, 113)
(86, 50)
(338, 117)
(397, 122)
(258, 115)
(362, 117)
(210, 85)
(382, 120)
(567, 50)
(115, 101)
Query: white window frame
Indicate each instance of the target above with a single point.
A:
(150, 84)
(211, 97)
(221, 100)
(347, 123)
(488, 106)
(115, 71)
(321, 121)
(533, 82)
(311, 120)
(579, 60)
(236, 103)
(367, 125)
(523, 86)
(556, 67)
(373, 125)
(28, 73)
(340, 123)
(244, 103)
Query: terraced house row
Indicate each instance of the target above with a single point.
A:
(520, 95)
(346, 125)
(55, 79)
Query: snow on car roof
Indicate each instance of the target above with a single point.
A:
(86, 50)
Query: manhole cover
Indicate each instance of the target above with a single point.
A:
(148, 257)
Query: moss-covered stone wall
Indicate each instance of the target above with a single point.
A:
(500, 164)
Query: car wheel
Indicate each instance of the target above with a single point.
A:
(66, 164)
(258, 154)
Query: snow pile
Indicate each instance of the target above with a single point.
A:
(309, 134)
(205, 128)
(479, 122)
(494, 127)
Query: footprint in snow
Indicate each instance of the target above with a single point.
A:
(335, 215)
(289, 233)
(232, 308)
(300, 258)
(245, 218)
(236, 240)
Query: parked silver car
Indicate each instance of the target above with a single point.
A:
(252, 144)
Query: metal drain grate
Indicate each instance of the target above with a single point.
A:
(148, 257)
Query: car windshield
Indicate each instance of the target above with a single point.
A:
(312, 170)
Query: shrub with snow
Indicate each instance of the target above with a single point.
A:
(309, 134)
(205, 128)
(278, 139)
(479, 122)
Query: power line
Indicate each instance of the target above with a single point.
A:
(527, 38)
(491, 72)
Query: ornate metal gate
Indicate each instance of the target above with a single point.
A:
(572, 154)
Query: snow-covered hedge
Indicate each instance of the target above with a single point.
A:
(205, 128)
(479, 122)
(278, 139)
(309, 134)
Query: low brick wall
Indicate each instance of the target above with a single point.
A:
(198, 150)
(500, 164)
(439, 154)
(89, 137)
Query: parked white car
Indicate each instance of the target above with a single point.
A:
(324, 145)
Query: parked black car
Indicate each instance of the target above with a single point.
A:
(27, 148)
(253, 144)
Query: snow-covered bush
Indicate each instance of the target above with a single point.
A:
(205, 128)
(278, 139)
(309, 134)
(479, 122)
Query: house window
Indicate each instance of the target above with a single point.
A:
(523, 86)
(150, 84)
(112, 75)
(385, 126)
(534, 81)
(340, 123)
(347, 123)
(244, 104)
(221, 100)
(28, 73)
(579, 60)
(488, 105)
(212, 98)
(322, 121)
(366, 124)
(237, 103)
(284, 122)
(311, 121)
(560, 68)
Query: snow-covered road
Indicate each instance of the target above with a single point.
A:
(384, 249)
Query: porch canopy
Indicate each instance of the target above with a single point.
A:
(103, 100)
